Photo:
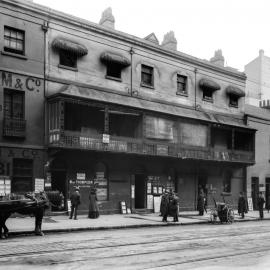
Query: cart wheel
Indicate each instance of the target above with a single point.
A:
(213, 216)
(230, 216)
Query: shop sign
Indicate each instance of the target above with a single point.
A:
(21, 82)
(162, 150)
(106, 138)
(39, 184)
(5, 186)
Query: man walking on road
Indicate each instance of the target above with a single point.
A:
(261, 202)
(75, 200)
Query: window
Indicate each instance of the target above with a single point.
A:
(233, 101)
(181, 85)
(114, 70)
(208, 95)
(22, 175)
(13, 104)
(13, 40)
(68, 59)
(147, 76)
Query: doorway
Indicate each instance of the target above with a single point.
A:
(202, 185)
(140, 191)
(255, 191)
(59, 183)
(267, 192)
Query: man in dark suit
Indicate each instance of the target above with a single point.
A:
(75, 200)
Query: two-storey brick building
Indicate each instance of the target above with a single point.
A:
(137, 117)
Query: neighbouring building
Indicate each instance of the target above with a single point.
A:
(135, 116)
(22, 100)
(258, 81)
(258, 175)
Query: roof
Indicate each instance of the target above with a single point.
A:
(143, 104)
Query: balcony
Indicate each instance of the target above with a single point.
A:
(14, 127)
(78, 140)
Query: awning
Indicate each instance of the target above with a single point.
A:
(233, 90)
(147, 105)
(108, 57)
(70, 46)
(209, 84)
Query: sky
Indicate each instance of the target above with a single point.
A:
(240, 28)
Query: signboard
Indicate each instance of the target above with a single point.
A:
(39, 184)
(162, 150)
(5, 186)
(102, 194)
(157, 200)
(150, 202)
(123, 207)
(132, 191)
(69, 205)
(250, 204)
(106, 138)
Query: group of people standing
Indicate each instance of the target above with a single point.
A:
(75, 200)
(169, 206)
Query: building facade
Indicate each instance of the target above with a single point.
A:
(258, 81)
(136, 118)
(22, 149)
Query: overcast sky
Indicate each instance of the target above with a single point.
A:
(239, 27)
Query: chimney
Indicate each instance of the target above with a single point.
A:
(169, 41)
(107, 18)
(218, 58)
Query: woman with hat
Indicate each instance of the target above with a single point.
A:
(93, 207)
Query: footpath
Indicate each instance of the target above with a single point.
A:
(62, 223)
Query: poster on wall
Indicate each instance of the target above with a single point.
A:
(157, 200)
(132, 191)
(39, 184)
(250, 204)
(102, 194)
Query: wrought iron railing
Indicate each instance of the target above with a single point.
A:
(78, 140)
(14, 127)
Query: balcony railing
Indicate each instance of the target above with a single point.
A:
(78, 140)
(14, 127)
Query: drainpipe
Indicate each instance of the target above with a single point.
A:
(131, 51)
(195, 71)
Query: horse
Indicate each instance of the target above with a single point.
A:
(33, 204)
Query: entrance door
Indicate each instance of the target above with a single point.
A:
(255, 191)
(59, 183)
(140, 191)
(267, 191)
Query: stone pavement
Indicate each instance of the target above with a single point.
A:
(25, 225)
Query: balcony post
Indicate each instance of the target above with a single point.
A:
(233, 136)
(106, 120)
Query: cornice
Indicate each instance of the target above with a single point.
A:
(50, 14)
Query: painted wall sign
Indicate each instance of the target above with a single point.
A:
(21, 82)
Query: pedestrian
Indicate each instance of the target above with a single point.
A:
(173, 206)
(93, 207)
(75, 200)
(242, 205)
(200, 203)
(268, 203)
(261, 202)
(163, 203)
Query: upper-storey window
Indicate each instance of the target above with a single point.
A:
(13, 104)
(114, 71)
(14, 40)
(233, 101)
(67, 59)
(234, 93)
(207, 95)
(181, 85)
(147, 76)
(208, 88)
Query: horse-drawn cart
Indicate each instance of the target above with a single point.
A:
(32, 204)
(222, 211)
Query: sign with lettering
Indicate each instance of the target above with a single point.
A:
(21, 82)
(39, 184)
(250, 204)
(106, 138)
(80, 176)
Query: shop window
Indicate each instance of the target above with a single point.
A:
(233, 101)
(208, 95)
(227, 182)
(14, 40)
(22, 175)
(67, 59)
(113, 71)
(181, 85)
(147, 76)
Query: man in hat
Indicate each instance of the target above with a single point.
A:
(75, 200)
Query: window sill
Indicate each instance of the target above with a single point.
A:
(147, 86)
(208, 100)
(181, 94)
(113, 78)
(20, 56)
(67, 67)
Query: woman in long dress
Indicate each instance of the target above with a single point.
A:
(93, 207)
